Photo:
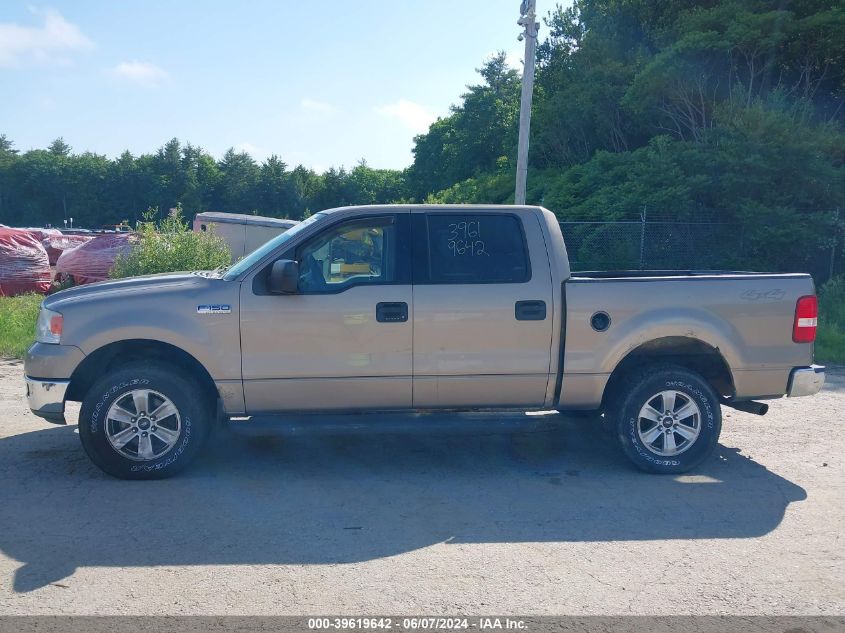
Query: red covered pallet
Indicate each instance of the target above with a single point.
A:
(58, 244)
(92, 261)
(42, 234)
(24, 266)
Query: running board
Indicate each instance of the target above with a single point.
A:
(749, 406)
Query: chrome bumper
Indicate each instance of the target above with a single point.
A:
(805, 381)
(46, 398)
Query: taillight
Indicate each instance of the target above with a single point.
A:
(806, 319)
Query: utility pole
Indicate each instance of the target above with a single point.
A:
(527, 20)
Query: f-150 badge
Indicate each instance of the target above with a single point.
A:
(214, 309)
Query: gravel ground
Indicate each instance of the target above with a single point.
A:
(471, 514)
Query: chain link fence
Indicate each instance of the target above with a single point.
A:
(671, 245)
(646, 245)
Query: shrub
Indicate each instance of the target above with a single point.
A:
(830, 343)
(832, 301)
(171, 246)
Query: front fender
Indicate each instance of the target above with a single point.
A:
(169, 314)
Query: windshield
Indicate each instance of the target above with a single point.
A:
(262, 251)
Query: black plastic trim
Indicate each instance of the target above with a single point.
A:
(561, 345)
(600, 321)
(584, 277)
(531, 310)
(391, 312)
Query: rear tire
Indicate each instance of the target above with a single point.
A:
(124, 437)
(668, 418)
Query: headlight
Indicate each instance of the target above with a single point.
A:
(48, 329)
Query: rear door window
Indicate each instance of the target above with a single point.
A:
(482, 248)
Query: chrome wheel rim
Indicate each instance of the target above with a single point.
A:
(669, 423)
(142, 425)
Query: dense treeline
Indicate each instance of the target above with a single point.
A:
(716, 110)
(728, 110)
(47, 186)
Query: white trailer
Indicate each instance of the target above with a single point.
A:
(242, 232)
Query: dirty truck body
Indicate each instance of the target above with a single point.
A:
(418, 308)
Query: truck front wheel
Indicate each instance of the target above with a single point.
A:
(668, 419)
(144, 421)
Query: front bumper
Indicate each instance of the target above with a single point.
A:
(805, 381)
(46, 398)
(55, 364)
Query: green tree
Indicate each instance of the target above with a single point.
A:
(8, 155)
(277, 191)
(472, 139)
(237, 190)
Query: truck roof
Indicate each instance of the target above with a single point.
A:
(422, 207)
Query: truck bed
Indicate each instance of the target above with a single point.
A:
(745, 317)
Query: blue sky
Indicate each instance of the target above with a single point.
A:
(320, 83)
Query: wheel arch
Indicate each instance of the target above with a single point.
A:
(114, 355)
(688, 352)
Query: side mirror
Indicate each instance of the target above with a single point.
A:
(284, 277)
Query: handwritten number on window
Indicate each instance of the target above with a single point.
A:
(465, 239)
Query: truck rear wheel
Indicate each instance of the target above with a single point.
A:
(668, 419)
(144, 422)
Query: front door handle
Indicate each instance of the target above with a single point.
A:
(530, 311)
(392, 312)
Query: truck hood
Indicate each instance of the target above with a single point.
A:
(149, 284)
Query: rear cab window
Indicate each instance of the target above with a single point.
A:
(470, 248)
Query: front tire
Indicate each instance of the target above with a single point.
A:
(144, 421)
(668, 419)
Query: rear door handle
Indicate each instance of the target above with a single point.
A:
(392, 312)
(530, 311)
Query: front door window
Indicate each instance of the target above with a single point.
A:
(353, 253)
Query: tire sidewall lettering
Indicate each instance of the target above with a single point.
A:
(701, 400)
(100, 408)
(172, 456)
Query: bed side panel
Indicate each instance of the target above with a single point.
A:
(748, 319)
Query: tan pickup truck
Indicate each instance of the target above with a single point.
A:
(418, 308)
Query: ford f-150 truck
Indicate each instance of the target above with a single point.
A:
(398, 308)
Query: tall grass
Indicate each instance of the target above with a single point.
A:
(171, 246)
(17, 323)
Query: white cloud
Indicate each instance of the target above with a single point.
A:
(317, 107)
(514, 57)
(258, 153)
(48, 43)
(413, 115)
(141, 72)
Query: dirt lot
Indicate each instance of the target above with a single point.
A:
(477, 513)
